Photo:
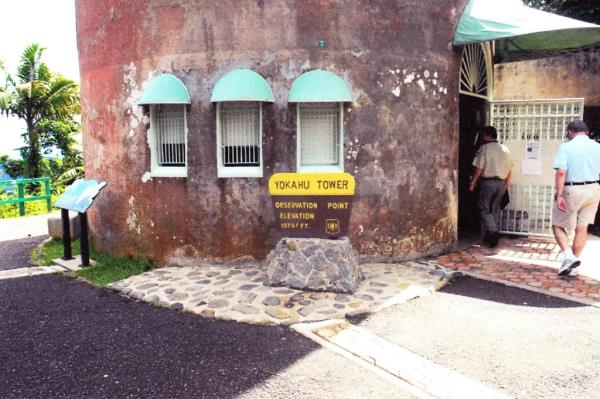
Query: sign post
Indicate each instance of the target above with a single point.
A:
(85, 245)
(66, 228)
(78, 197)
(312, 211)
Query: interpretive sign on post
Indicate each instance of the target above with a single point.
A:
(312, 205)
(78, 197)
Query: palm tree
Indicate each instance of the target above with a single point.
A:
(37, 95)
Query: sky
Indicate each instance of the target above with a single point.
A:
(51, 23)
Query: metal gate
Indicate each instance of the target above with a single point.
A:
(532, 131)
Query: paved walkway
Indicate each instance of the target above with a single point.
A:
(531, 263)
(525, 344)
(16, 254)
(18, 237)
(237, 292)
(22, 227)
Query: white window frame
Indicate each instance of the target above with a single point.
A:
(239, 171)
(156, 170)
(320, 168)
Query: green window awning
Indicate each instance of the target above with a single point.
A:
(165, 89)
(522, 32)
(320, 86)
(242, 85)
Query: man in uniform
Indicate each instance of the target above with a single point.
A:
(577, 166)
(492, 168)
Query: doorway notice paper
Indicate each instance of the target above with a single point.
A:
(532, 161)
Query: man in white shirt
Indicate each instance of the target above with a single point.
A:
(492, 166)
(577, 182)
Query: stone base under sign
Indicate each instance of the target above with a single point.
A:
(55, 227)
(314, 264)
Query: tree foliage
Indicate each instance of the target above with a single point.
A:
(584, 10)
(48, 103)
(13, 167)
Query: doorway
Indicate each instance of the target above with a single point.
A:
(473, 111)
(475, 88)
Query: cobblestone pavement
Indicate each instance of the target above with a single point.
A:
(531, 263)
(237, 292)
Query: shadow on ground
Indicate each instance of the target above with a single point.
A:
(495, 292)
(64, 338)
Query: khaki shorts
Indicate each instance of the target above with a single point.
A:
(582, 205)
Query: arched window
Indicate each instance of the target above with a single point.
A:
(167, 98)
(320, 96)
(239, 95)
(475, 71)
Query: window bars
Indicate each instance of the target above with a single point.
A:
(532, 196)
(530, 211)
(170, 134)
(320, 134)
(535, 120)
(240, 129)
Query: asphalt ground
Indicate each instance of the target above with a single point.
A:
(15, 254)
(526, 344)
(61, 338)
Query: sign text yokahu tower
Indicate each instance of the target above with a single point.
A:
(312, 205)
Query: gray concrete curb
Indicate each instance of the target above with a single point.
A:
(409, 371)
(27, 272)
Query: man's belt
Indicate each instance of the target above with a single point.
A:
(492, 178)
(581, 183)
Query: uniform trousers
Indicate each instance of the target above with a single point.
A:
(490, 195)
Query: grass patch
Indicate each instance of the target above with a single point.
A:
(44, 254)
(107, 269)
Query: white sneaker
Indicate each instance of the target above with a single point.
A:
(567, 266)
(574, 273)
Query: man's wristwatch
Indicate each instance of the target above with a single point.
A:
(556, 197)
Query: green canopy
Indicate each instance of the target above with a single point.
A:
(242, 85)
(320, 86)
(522, 32)
(165, 89)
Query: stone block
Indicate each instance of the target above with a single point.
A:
(55, 226)
(314, 264)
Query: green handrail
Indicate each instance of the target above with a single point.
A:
(21, 198)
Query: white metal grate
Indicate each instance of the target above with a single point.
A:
(240, 127)
(320, 134)
(539, 120)
(530, 210)
(532, 193)
(169, 125)
(474, 71)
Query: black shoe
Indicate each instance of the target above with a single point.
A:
(486, 238)
(493, 241)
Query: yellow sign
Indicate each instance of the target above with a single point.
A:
(312, 184)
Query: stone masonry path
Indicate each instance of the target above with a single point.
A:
(531, 263)
(236, 292)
